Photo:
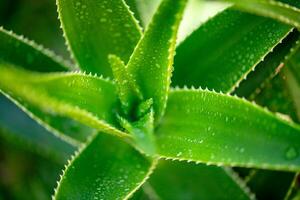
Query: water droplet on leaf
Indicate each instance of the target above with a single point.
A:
(291, 153)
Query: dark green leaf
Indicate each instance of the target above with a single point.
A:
(225, 49)
(17, 50)
(186, 181)
(271, 8)
(95, 29)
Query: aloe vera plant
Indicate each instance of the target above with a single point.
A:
(130, 122)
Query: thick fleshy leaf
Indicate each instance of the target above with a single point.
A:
(18, 50)
(95, 29)
(218, 56)
(226, 130)
(115, 169)
(87, 99)
(280, 10)
(180, 180)
(150, 65)
(27, 133)
(128, 92)
(291, 75)
(270, 184)
(267, 69)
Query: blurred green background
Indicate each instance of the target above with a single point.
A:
(28, 168)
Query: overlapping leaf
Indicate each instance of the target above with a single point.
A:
(25, 132)
(89, 100)
(106, 169)
(19, 51)
(150, 65)
(220, 53)
(190, 181)
(280, 10)
(226, 130)
(95, 29)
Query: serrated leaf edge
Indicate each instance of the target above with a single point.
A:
(47, 52)
(240, 182)
(245, 75)
(81, 149)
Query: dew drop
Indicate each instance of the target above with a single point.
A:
(179, 154)
(291, 153)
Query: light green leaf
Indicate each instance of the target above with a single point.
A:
(128, 92)
(116, 171)
(95, 29)
(20, 51)
(181, 180)
(142, 132)
(270, 8)
(221, 53)
(226, 130)
(86, 99)
(151, 63)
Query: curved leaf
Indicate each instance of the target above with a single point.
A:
(116, 171)
(18, 128)
(180, 180)
(225, 130)
(270, 184)
(89, 100)
(95, 29)
(18, 50)
(225, 49)
(278, 10)
(151, 62)
(267, 69)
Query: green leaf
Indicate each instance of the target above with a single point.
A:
(266, 70)
(17, 128)
(128, 92)
(270, 184)
(115, 171)
(180, 180)
(274, 9)
(151, 62)
(95, 29)
(133, 6)
(86, 99)
(226, 130)
(142, 132)
(218, 43)
(20, 51)
(292, 77)
(17, 50)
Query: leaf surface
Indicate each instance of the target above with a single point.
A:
(180, 180)
(278, 10)
(221, 52)
(266, 70)
(87, 99)
(226, 130)
(20, 51)
(95, 29)
(150, 65)
(21, 130)
(115, 171)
